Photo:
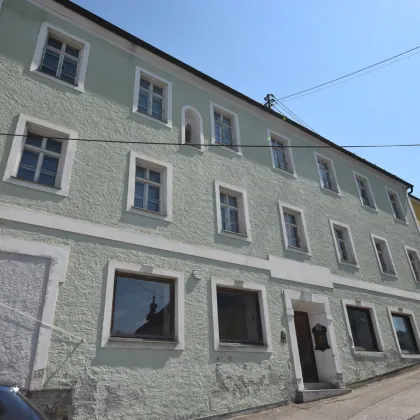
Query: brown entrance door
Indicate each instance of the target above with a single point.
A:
(306, 349)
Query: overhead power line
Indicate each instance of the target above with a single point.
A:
(353, 73)
(294, 146)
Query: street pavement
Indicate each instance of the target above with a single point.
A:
(396, 398)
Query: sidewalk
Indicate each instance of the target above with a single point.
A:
(396, 398)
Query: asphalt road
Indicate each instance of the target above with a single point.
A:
(396, 398)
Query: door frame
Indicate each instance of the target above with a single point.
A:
(289, 297)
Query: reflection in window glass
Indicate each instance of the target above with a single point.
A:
(143, 308)
(239, 316)
(362, 329)
(405, 334)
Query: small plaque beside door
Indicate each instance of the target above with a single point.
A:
(320, 337)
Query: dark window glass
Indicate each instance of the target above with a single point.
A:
(239, 316)
(362, 329)
(143, 308)
(405, 334)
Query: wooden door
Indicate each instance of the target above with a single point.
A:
(306, 349)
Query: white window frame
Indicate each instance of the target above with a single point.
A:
(272, 135)
(348, 239)
(165, 170)
(48, 130)
(235, 128)
(402, 311)
(375, 324)
(46, 29)
(336, 188)
(167, 96)
(390, 259)
(186, 108)
(138, 343)
(243, 211)
(303, 232)
(407, 250)
(388, 191)
(357, 176)
(265, 323)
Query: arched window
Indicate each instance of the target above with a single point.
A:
(192, 127)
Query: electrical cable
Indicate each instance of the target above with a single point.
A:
(288, 110)
(352, 73)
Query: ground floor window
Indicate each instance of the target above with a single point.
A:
(362, 330)
(143, 307)
(405, 334)
(239, 316)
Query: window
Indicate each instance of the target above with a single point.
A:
(414, 261)
(343, 242)
(192, 128)
(40, 158)
(394, 201)
(61, 56)
(149, 187)
(327, 176)
(240, 318)
(383, 255)
(281, 154)
(232, 211)
(153, 97)
(405, 334)
(365, 191)
(362, 330)
(143, 307)
(225, 128)
(294, 229)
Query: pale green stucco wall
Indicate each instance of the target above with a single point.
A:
(129, 383)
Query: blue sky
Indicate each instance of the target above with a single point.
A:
(282, 47)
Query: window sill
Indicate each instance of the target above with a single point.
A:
(137, 343)
(378, 354)
(332, 192)
(237, 347)
(283, 171)
(403, 222)
(156, 120)
(230, 149)
(349, 264)
(234, 235)
(35, 186)
(392, 275)
(79, 88)
(149, 213)
(371, 209)
(299, 250)
(410, 356)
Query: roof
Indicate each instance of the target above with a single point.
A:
(137, 41)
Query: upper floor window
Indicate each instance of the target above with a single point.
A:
(192, 128)
(327, 175)
(40, 158)
(343, 242)
(365, 191)
(414, 261)
(61, 56)
(281, 153)
(232, 211)
(386, 264)
(149, 187)
(394, 201)
(153, 97)
(294, 229)
(225, 128)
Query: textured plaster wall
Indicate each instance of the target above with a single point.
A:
(22, 287)
(99, 177)
(129, 383)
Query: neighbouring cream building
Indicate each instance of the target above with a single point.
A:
(181, 281)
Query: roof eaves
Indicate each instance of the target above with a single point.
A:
(131, 38)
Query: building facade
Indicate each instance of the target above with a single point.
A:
(156, 276)
(415, 202)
